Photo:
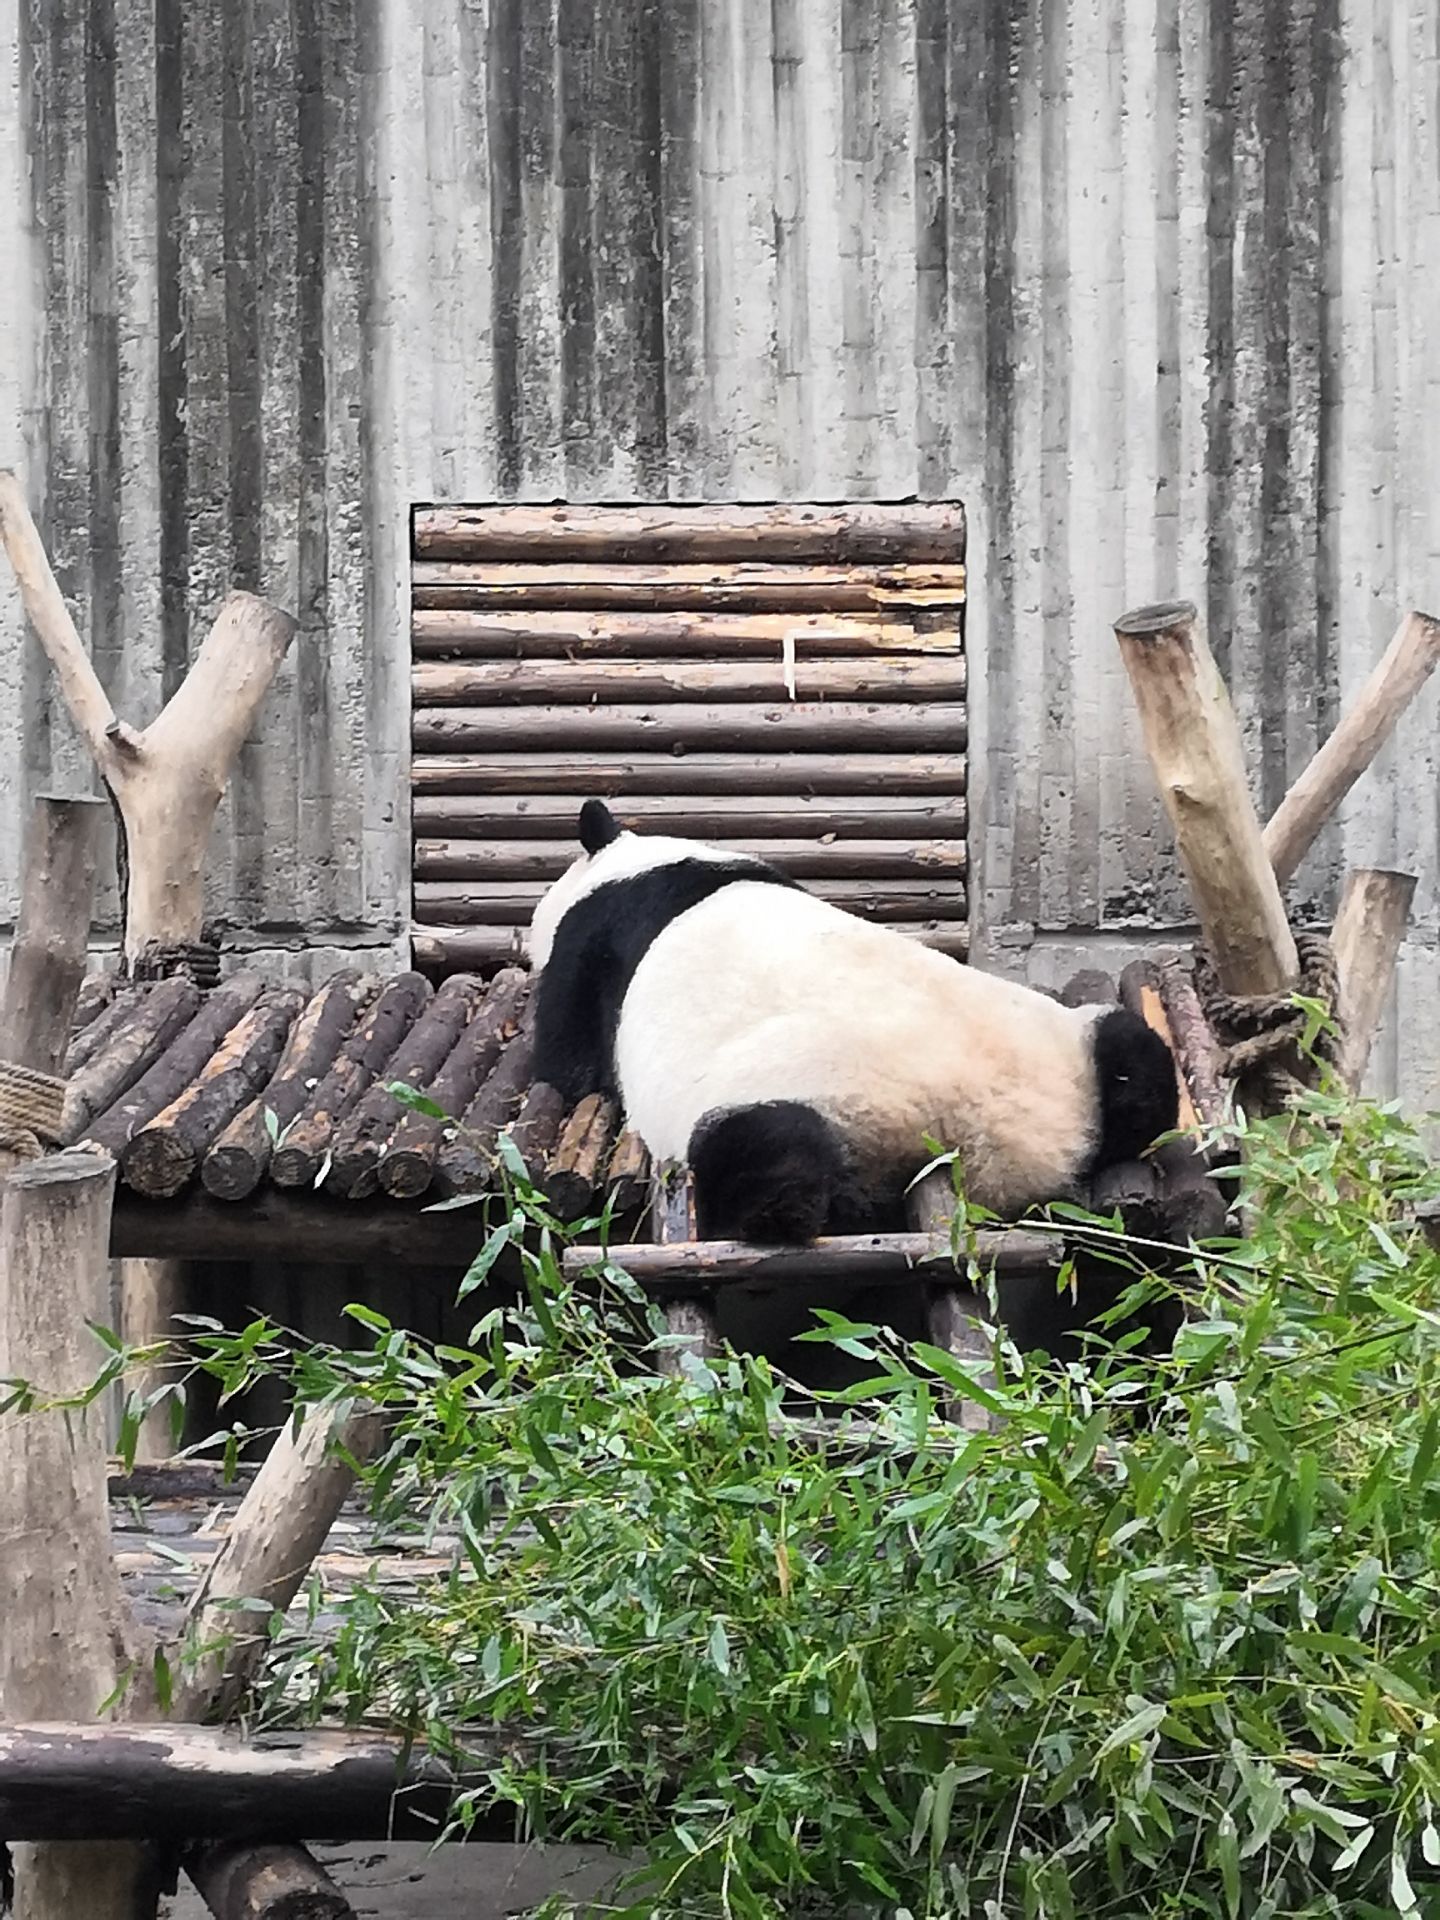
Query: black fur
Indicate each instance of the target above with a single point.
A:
(775, 1173)
(598, 826)
(598, 945)
(1139, 1098)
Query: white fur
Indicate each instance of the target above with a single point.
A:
(629, 854)
(764, 993)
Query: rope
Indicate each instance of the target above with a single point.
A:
(31, 1106)
(200, 959)
(1260, 1033)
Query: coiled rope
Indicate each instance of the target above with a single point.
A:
(31, 1106)
(1261, 1033)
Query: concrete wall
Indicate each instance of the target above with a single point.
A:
(1141, 281)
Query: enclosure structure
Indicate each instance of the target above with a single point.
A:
(1148, 290)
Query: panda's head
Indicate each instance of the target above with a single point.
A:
(608, 852)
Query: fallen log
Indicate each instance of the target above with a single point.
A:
(181, 1063)
(1398, 676)
(94, 1038)
(146, 1031)
(97, 991)
(577, 1165)
(408, 1166)
(236, 1163)
(161, 1157)
(362, 1140)
(364, 1052)
(1197, 1050)
(238, 1881)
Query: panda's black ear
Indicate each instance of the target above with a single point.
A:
(598, 826)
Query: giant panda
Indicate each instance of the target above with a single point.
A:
(798, 1057)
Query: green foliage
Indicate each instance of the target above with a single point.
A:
(1163, 1645)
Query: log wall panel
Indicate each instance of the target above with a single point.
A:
(712, 671)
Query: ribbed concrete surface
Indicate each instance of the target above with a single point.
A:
(1144, 283)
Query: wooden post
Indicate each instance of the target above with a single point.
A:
(1368, 930)
(672, 1217)
(68, 1639)
(1398, 676)
(166, 783)
(956, 1323)
(1194, 747)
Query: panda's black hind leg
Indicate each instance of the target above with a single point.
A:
(776, 1172)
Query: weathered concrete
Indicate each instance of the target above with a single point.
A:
(1144, 284)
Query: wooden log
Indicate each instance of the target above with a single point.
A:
(236, 1163)
(1369, 927)
(182, 1062)
(1397, 677)
(536, 1128)
(754, 817)
(704, 772)
(445, 949)
(158, 1015)
(1195, 750)
(160, 1158)
(409, 1163)
(364, 1051)
(96, 1035)
(564, 634)
(363, 1138)
(278, 1528)
(628, 1175)
(695, 1268)
(742, 586)
(68, 1639)
(305, 1229)
(574, 1177)
(97, 990)
(238, 1881)
(508, 683)
(486, 860)
(816, 726)
(69, 1780)
(857, 535)
(1194, 1044)
(513, 902)
(466, 1161)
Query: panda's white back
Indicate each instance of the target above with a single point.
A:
(762, 993)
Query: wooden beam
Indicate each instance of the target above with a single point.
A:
(1369, 927)
(688, 1315)
(744, 586)
(1195, 750)
(746, 775)
(859, 534)
(72, 1780)
(1397, 677)
(685, 1270)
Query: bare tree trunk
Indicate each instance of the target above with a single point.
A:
(166, 783)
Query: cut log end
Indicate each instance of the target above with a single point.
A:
(1166, 616)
